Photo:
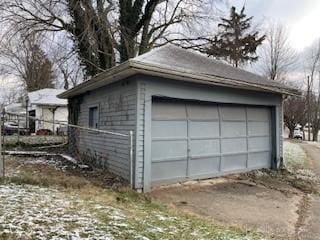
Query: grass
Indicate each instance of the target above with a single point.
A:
(56, 204)
(83, 209)
(33, 141)
(296, 172)
(294, 156)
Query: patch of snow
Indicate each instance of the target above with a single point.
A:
(294, 155)
(156, 230)
(164, 218)
(69, 158)
(41, 213)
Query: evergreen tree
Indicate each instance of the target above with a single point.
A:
(235, 43)
(38, 73)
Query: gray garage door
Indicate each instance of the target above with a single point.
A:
(196, 140)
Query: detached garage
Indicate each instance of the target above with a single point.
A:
(192, 118)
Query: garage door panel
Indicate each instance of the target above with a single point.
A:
(234, 162)
(258, 128)
(259, 160)
(258, 114)
(233, 129)
(169, 129)
(233, 145)
(202, 112)
(259, 144)
(162, 150)
(232, 113)
(204, 129)
(194, 140)
(205, 147)
(169, 170)
(165, 110)
(203, 166)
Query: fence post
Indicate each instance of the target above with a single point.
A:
(18, 130)
(1, 153)
(131, 158)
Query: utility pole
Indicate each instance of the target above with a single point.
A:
(308, 109)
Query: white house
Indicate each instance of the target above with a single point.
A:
(44, 105)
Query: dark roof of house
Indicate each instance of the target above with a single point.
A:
(184, 65)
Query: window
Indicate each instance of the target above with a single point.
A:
(93, 117)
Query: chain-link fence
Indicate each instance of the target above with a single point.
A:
(105, 149)
(16, 131)
(83, 145)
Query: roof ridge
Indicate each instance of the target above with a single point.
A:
(202, 55)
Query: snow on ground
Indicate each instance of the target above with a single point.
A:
(294, 156)
(33, 212)
(295, 160)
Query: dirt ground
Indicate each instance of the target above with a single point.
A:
(311, 229)
(278, 204)
(237, 203)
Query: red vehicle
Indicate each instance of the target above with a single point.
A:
(44, 132)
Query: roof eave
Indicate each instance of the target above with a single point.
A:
(132, 67)
(207, 79)
(114, 74)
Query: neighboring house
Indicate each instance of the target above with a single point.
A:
(193, 117)
(45, 105)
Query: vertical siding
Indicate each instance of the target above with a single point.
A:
(281, 126)
(117, 113)
(140, 135)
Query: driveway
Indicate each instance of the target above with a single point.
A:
(235, 202)
(311, 229)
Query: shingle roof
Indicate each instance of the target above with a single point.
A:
(185, 65)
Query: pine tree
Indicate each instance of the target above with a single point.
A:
(38, 72)
(235, 43)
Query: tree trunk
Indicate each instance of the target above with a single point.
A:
(315, 132)
(291, 132)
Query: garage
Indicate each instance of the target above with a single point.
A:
(192, 140)
(179, 115)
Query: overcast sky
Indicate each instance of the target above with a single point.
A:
(302, 17)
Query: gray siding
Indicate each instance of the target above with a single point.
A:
(127, 105)
(117, 106)
(140, 134)
(281, 126)
(154, 86)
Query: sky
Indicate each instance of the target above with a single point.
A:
(302, 17)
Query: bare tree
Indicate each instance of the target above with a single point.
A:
(313, 94)
(24, 58)
(71, 75)
(67, 66)
(10, 90)
(104, 31)
(294, 113)
(277, 55)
